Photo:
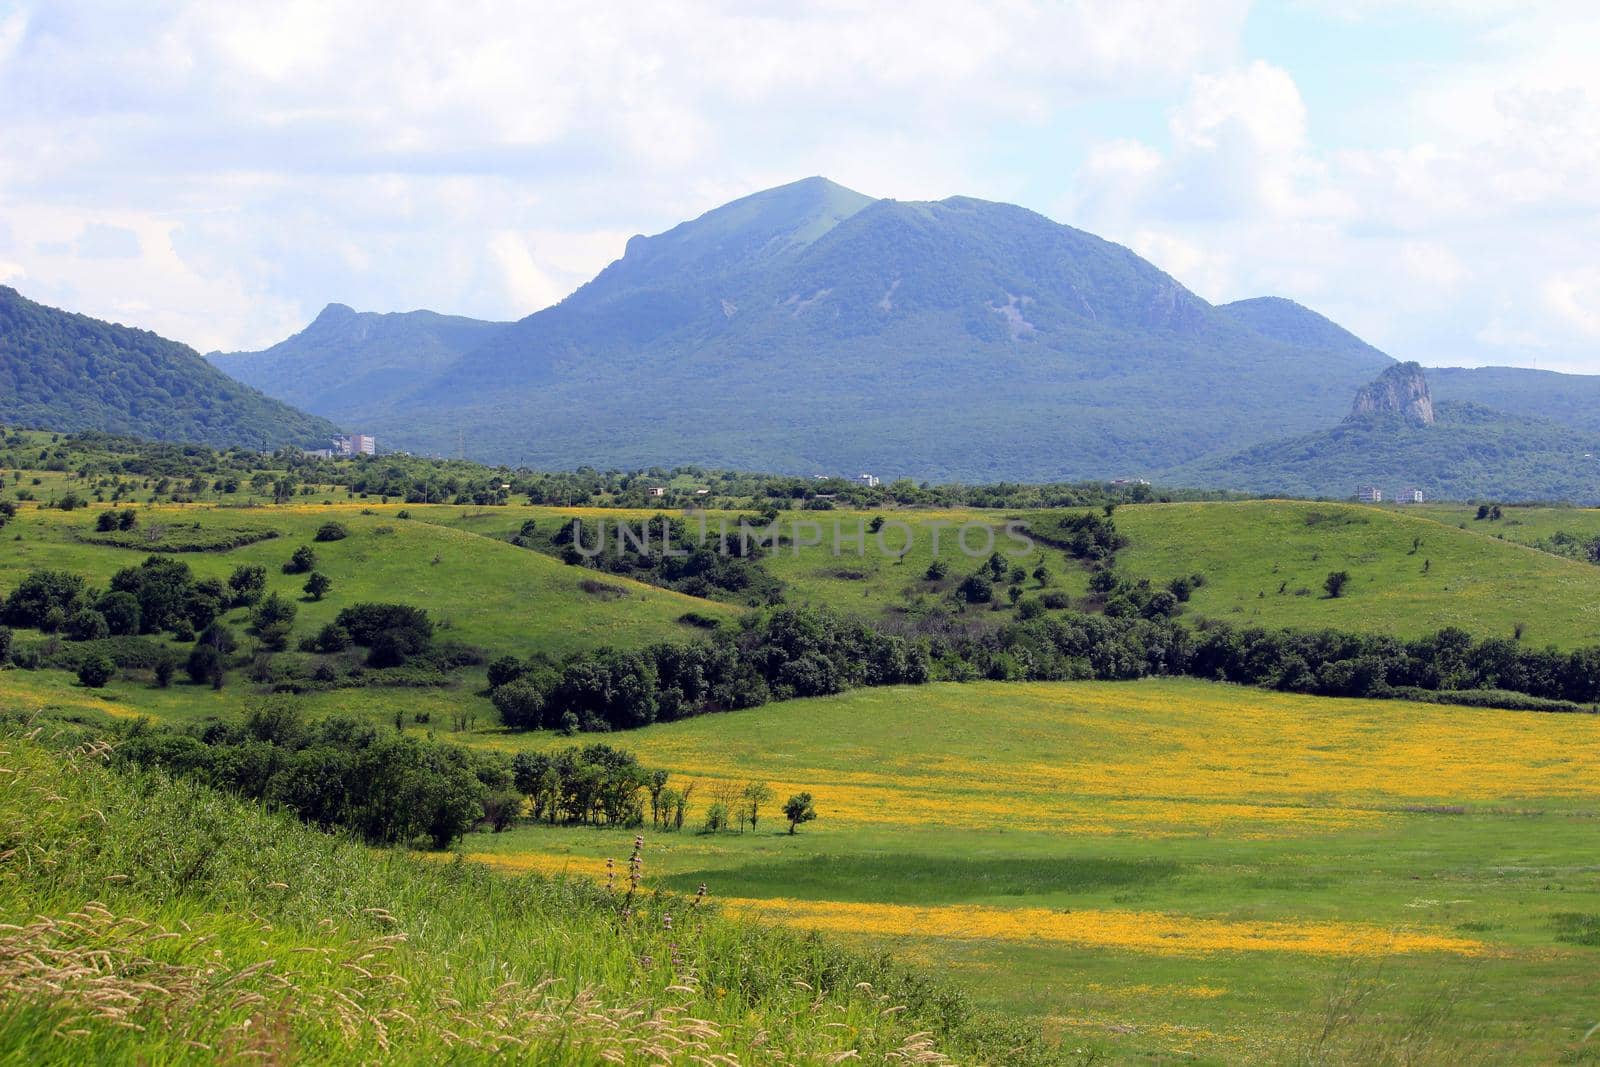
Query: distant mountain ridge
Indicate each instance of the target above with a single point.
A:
(1395, 438)
(348, 359)
(809, 328)
(813, 329)
(64, 371)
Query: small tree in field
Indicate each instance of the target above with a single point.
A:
(1334, 583)
(798, 809)
(317, 585)
(755, 795)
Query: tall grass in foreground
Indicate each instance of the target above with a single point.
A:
(158, 921)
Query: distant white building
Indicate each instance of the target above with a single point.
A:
(658, 490)
(1408, 496)
(1369, 494)
(868, 480)
(355, 444)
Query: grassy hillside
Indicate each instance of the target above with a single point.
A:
(486, 592)
(1413, 570)
(1172, 869)
(1259, 556)
(71, 372)
(148, 921)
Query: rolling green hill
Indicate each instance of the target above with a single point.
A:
(484, 591)
(69, 372)
(1265, 562)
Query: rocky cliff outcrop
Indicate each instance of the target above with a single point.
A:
(1400, 390)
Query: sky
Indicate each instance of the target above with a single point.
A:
(1427, 174)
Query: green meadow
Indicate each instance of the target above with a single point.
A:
(1160, 871)
(1410, 573)
(482, 591)
(1167, 870)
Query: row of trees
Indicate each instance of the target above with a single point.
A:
(794, 652)
(812, 651)
(390, 788)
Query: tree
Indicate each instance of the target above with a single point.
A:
(303, 560)
(272, 620)
(975, 589)
(331, 531)
(503, 670)
(937, 570)
(1335, 582)
(317, 585)
(798, 809)
(121, 612)
(87, 625)
(755, 795)
(95, 671)
(164, 668)
(205, 665)
(106, 521)
(247, 583)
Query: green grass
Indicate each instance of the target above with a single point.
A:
(1202, 806)
(147, 921)
(837, 572)
(1258, 556)
(483, 592)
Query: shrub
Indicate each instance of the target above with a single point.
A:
(164, 668)
(1335, 582)
(975, 589)
(521, 705)
(331, 531)
(503, 670)
(96, 671)
(87, 625)
(5, 644)
(205, 665)
(317, 585)
(121, 611)
(365, 622)
(302, 561)
(331, 638)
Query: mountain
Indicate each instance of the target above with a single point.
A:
(1297, 325)
(63, 371)
(1396, 438)
(347, 360)
(1570, 399)
(810, 328)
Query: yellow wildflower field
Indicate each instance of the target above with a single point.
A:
(1136, 931)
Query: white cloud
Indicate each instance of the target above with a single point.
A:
(1470, 241)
